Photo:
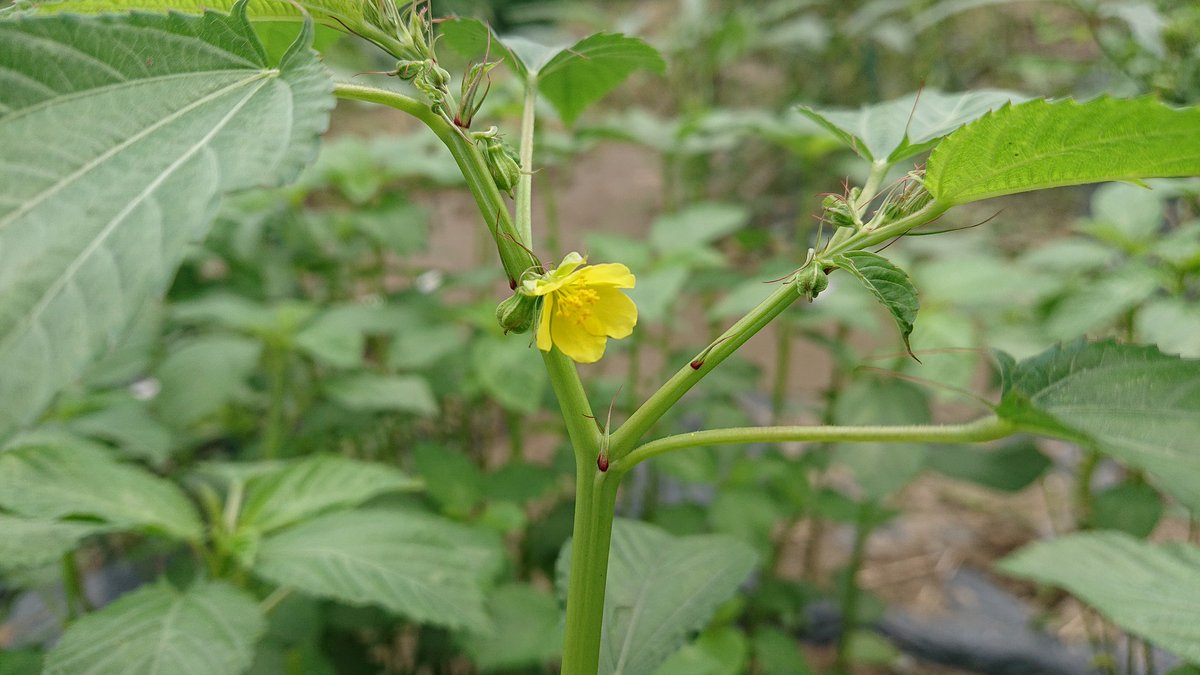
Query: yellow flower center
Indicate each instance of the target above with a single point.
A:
(576, 303)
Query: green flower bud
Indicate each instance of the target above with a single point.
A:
(503, 162)
(515, 314)
(811, 280)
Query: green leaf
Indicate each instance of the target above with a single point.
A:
(1171, 323)
(900, 128)
(425, 568)
(778, 653)
(371, 392)
(717, 651)
(528, 630)
(1132, 508)
(1150, 590)
(314, 486)
(451, 478)
(657, 292)
(31, 542)
(26, 661)
(510, 372)
(585, 72)
(881, 468)
(1103, 302)
(203, 374)
(115, 160)
(324, 11)
(660, 589)
(570, 77)
(697, 225)
(888, 283)
(1011, 467)
(130, 425)
(1136, 404)
(156, 630)
(1039, 144)
(53, 476)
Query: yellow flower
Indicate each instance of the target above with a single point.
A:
(582, 308)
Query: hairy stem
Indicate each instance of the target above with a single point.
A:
(515, 258)
(669, 393)
(985, 429)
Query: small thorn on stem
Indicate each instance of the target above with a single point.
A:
(697, 364)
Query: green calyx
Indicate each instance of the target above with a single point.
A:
(515, 314)
(811, 278)
(502, 161)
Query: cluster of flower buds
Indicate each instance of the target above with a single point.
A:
(908, 197)
(840, 209)
(408, 32)
(471, 98)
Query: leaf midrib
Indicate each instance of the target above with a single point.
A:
(68, 273)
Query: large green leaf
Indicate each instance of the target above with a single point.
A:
(114, 159)
(1136, 404)
(1150, 590)
(900, 128)
(888, 283)
(157, 630)
(325, 11)
(1039, 144)
(571, 77)
(660, 589)
(314, 486)
(52, 477)
(422, 567)
(31, 542)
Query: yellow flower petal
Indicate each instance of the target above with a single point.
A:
(574, 340)
(607, 274)
(582, 308)
(614, 314)
(558, 277)
(543, 331)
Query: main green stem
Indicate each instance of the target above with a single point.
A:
(595, 508)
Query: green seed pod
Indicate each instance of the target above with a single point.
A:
(515, 314)
(811, 280)
(503, 162)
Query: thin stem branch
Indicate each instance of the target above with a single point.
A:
(985, 429)
(525, 182)
(668, 394)
(851, 593)
(492, 207)
(73, 591)
(867, 238)
(272, 601)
